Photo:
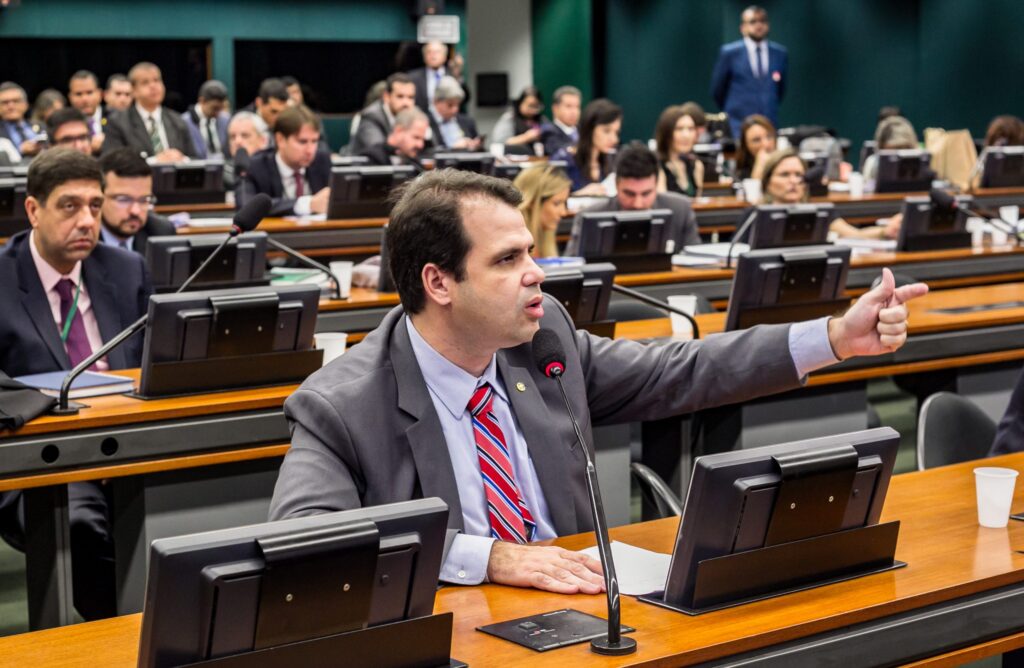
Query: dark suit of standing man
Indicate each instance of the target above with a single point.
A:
(147, 126)
(39, 271)
(750, 74)
(295, 173)
(207, 120)
(436, 65)
(396, 418)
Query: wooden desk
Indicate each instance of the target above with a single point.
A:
(222, 208)
(958, 599)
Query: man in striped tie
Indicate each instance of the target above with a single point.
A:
(443, 398)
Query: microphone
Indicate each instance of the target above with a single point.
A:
(241, 162)
(245, 220)
(942, 199)
(308, 261)
(740, 231)
(657, 303)
(549, 357)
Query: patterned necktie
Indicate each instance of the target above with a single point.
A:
(77, 343)
(211, 134)
(762, 63)
(510, 519)
(299, 190)
(154, 135)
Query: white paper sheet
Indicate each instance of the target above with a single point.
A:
(640, 571)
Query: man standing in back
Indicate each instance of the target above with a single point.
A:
(750, 75)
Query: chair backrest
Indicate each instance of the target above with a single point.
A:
(952, 429)
(654, 490)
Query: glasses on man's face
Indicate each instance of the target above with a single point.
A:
(126, 201)
(74, 139)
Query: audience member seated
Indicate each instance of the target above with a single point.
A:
(438, 63)
(757, 141)
(785, 182)
(295, 95)
(545, 192)
(294, 173)
(561, 132)
(636, 189)
(47, 102)
(25, 137)
(127, 218)
(590, 161)
(207, 120)
(375, 93)
(393, 418)
(68, 128)
(519, 127)
(85, 95)
(378, 118)
(1010, 432)
(404, 142)
(675, 136)
(270, 101)
(63, 295)
(893, 132)
(450, 129)
(117, 96)
(1005, 130)
(148, 127)
(247, 131)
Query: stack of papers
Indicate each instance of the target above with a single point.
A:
(89, 384)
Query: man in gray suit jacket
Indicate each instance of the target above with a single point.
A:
(377, 119)
(636, 184)
(147, 126)
(418, 407)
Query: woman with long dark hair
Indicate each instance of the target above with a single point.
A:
(592, 159)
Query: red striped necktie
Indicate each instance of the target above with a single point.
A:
(510, 519)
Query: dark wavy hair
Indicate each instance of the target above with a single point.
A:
(599, 112)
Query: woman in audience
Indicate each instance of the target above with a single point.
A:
(591, 161)
(1005, 130)
(47, 102)
(892, 133)
(519, 127)
(675, 136)
(785, 182)
(757, 140)
(545, 192)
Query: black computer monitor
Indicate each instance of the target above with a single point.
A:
(233, 591)
(816, 166)
(750, 501)
(927, 226)
(192, 182)
(362, 192)
(786, 225)
(788, 285)
(13, 218)
(903, 171)
(1002, 167)
(634, 241)
(172, 259)
(583, 291)
(348, 160)
(480, 162)
(224, 339)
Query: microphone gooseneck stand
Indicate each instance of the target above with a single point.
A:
(656, 303)
(305, 259)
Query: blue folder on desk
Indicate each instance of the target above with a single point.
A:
(89, 384)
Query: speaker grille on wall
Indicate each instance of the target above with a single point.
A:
(425, 7)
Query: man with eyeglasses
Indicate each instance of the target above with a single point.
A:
(69, 128)
(127, 218)
(26, 137)
(63, 295)
(750, 75)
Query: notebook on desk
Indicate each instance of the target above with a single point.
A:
(89, 384)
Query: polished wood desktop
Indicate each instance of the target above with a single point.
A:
(953, 565)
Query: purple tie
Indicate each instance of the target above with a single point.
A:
(77, 343)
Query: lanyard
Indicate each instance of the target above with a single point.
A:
(71, 313)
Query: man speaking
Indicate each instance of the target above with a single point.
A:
(444, 399)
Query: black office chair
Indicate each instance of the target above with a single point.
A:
(952, 429)
(655, 492)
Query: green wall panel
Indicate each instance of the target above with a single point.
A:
(562, 45)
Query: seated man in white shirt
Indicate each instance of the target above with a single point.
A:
(294, 173)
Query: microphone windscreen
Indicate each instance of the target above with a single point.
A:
(255, 210)
(816, 174)
(548, 354)
(242, 160)
(942, 199)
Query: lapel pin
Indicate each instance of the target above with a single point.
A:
(521, 386)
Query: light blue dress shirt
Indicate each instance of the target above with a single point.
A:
(450, 390)
(108, 237)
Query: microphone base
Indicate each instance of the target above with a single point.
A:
(73, 409)
(602, 646)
